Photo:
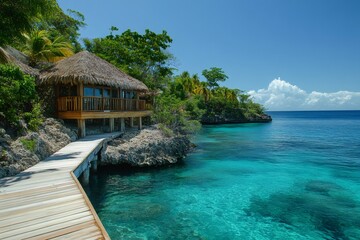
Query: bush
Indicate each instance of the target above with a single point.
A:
(18, 98)
(34, 118)
(171, 114)
(29, 144)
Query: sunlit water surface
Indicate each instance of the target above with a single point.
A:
(295, 178)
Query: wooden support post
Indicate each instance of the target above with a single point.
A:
(81, 127)
(111, 124)
(137, 101)
(140, 123)
(122, 124)
(131, 122)
(94, 164)
(85, 176)
(80, 92)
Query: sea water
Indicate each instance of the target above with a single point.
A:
(295, 178)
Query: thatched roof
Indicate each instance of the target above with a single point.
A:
(90, 69)
(9, 55)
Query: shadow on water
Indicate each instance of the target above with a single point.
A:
(320, 205)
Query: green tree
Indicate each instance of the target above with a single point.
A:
(65, 25)
(173, 117)
(39, 47)
(19, 16)
(213, 76)
(183, 85)
(143, 56)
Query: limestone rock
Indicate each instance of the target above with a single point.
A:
(148, 147)
(24, 152)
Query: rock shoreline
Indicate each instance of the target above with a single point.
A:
(145, 148)
(16, 155)
(138, 148)
(214, 120)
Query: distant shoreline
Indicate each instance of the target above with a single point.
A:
(312, 111)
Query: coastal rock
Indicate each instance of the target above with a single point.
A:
(148, 147)
(221, 119)
(21, 153)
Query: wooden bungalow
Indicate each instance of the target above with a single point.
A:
(88, 87)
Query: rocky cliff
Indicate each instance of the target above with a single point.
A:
(18, 154)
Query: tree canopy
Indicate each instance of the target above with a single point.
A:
(143, 56)
(19, 16)
(213, 76)
(23, 16)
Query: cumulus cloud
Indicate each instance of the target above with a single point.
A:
(282, 95)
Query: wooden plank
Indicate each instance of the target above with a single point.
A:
(61, 232)
(14, 189)
(91, 236)
(39, 198)
(43, 181)
(41, 225)
(14, 196)
(47, 219)
(40, 213)
(79, 233)
(47, 230)
(22, 209)
(35, 191)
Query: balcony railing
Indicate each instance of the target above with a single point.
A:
(77, 103)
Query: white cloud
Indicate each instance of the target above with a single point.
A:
(282, 95)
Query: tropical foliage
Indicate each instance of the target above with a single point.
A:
(174, 115)
(39, 47)
(214, 100)
(20, 16)
(18, 98)
(65, 25)
(143, 56)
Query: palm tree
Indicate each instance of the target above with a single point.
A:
(39, 47)
(202, 89)
(187, 82)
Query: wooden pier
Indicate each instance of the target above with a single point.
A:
(47, 201)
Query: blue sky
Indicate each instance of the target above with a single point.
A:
(313, 45)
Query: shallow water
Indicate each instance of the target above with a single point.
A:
(295, 178)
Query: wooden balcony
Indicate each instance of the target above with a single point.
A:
(77, 107)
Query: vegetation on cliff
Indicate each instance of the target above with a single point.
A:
(19, 102)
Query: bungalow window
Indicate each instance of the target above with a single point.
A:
(114, 93)
(98, 92)
(65, 91)
(88, 91)
(129, 95)
(106, 93)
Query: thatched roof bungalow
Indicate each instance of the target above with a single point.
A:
(88, 69)
(88, 87)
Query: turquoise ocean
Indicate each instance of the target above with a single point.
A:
(295, 178)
